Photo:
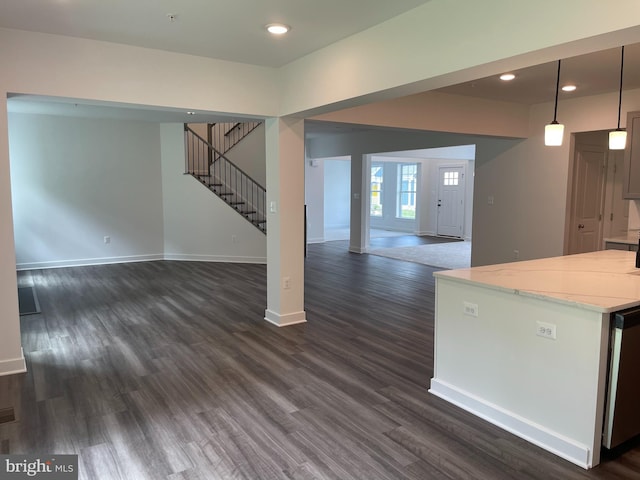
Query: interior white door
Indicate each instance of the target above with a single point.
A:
(587, 204)
(450, 201)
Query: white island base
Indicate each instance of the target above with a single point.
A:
(496, 355)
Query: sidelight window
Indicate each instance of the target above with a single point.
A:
(407, 180)
(377, 177)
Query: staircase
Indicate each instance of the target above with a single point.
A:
(211, 168)
(224, 136)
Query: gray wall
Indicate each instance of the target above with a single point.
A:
(197, 224)
(250, 155)
(75, 181)
(337, 193)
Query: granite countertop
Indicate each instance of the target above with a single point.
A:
(631, 238)
(604, 281)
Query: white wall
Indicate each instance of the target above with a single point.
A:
(54, 65)
(75, 181)
(337, 192)
(197, 224)
(440, 112)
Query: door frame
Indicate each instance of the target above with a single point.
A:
(584, 138)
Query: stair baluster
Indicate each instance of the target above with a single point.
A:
(230, 183)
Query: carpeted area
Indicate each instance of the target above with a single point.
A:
(450, 255)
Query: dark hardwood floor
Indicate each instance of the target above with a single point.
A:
(167, 370)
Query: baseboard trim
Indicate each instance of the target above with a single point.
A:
(138, 258)
(549, 440)
(184, 257)
(13, 366)
(88, 261)
(316, 240)
(357, 249)
(285, 320)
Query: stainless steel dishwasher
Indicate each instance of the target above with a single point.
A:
(622, 414)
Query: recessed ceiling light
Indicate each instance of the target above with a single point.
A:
(191, 113)
(507, 77)
(277, 28)
(569, 88)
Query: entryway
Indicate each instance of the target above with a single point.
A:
(451, 200)
(597, 209)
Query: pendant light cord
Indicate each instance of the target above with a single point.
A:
(620, 97)
(555, 110)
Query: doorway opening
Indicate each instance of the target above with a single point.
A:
(597, 210)
(409, 199)
(423, 193)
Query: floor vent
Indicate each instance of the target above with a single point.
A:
(7, 415)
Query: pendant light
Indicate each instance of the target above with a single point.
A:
(554, 131)
(618, 137)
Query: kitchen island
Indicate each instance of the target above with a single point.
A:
(524, 345)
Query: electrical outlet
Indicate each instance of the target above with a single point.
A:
(546, 330)
(107, 239)
(516, 254)
(286, 283)
(471, 309)
(234, 239)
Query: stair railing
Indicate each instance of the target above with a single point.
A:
(225, 179)
(224, 136)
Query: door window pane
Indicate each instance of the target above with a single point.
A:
(450, 178)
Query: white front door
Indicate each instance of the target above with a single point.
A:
(450, 201)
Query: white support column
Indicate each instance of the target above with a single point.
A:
(11, 357)
(359, 231)
(285, 221)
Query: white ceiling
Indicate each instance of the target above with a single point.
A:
(233, 30)
(224, 29)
